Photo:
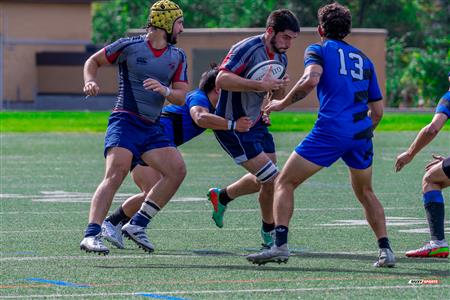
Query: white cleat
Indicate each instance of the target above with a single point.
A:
(94, 244)
(386, 258)
(274, 254)
(137, 234)
(113, 234)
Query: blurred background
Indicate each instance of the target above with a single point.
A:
(44, 43)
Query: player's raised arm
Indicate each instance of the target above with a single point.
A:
(91, 66)
(309, 80)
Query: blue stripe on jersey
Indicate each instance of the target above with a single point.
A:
(113, 50)
(236, 101)
(444, 105)
(313, 55)
(347, 84)
(125, 91)
(241, 54)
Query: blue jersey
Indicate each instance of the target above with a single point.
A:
(138, 61)
(347, 84)
(443, 106)
(184, 128)
(240, 59)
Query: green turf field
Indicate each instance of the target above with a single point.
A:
(44, 121)
(47, 180)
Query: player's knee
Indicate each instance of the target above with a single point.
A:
(115, 177)
(178, 171)
(428, 182)
(267, 174)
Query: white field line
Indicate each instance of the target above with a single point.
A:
(176, 211)
(242, 291)
(80, 230)
(193, 255)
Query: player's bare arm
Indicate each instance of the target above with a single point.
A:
(231, 82)
(203, 118)
(281, 92)
(91, 66)
(309, 80)
(175, 95)
(376, 110)
(425, 136)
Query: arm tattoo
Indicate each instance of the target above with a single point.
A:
(297, 96)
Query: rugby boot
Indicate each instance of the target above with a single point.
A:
(274, 254)
(137, 234)
(268, 239)
(113, 234)
(431, 249)
(218, 208)
(94, 244)
(386, 258)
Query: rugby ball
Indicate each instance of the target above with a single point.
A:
(259, 70)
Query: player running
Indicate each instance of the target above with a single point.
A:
(151, 70)
(181, 123)
(350, 109)
(436, 178)
(254, 150)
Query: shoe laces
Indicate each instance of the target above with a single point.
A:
(98, 240)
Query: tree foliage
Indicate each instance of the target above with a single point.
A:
(418, 56)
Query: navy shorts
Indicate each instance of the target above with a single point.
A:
(167, 125)
(324, 149)
(242, 146)
(135, 134)
(446, 166)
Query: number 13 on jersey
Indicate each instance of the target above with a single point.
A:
(356, 71)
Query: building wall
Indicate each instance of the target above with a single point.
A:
(371, 41)
(29, 27)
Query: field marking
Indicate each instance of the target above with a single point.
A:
(205, 282)
(193, 255)
(199, 292)
(176, 211)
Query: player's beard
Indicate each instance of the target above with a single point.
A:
(172, 39)
(275, 48)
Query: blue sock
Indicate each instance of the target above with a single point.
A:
(281, 233)
(92, 230)
(433, 202)
(140, 220)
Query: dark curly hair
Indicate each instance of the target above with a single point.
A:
(283, 19)
(208, 78)
(336, 20)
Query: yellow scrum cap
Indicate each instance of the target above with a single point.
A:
(163, 14)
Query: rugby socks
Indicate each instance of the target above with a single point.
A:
(148, 210)
(281, 235)
(434, 207)
(224, 199)
(267, 227)
(384, 243)
(118, 216)
(92, 230)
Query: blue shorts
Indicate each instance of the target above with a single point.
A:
(242, 146)
(168, 128)
(135, 134)
(324, 149)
